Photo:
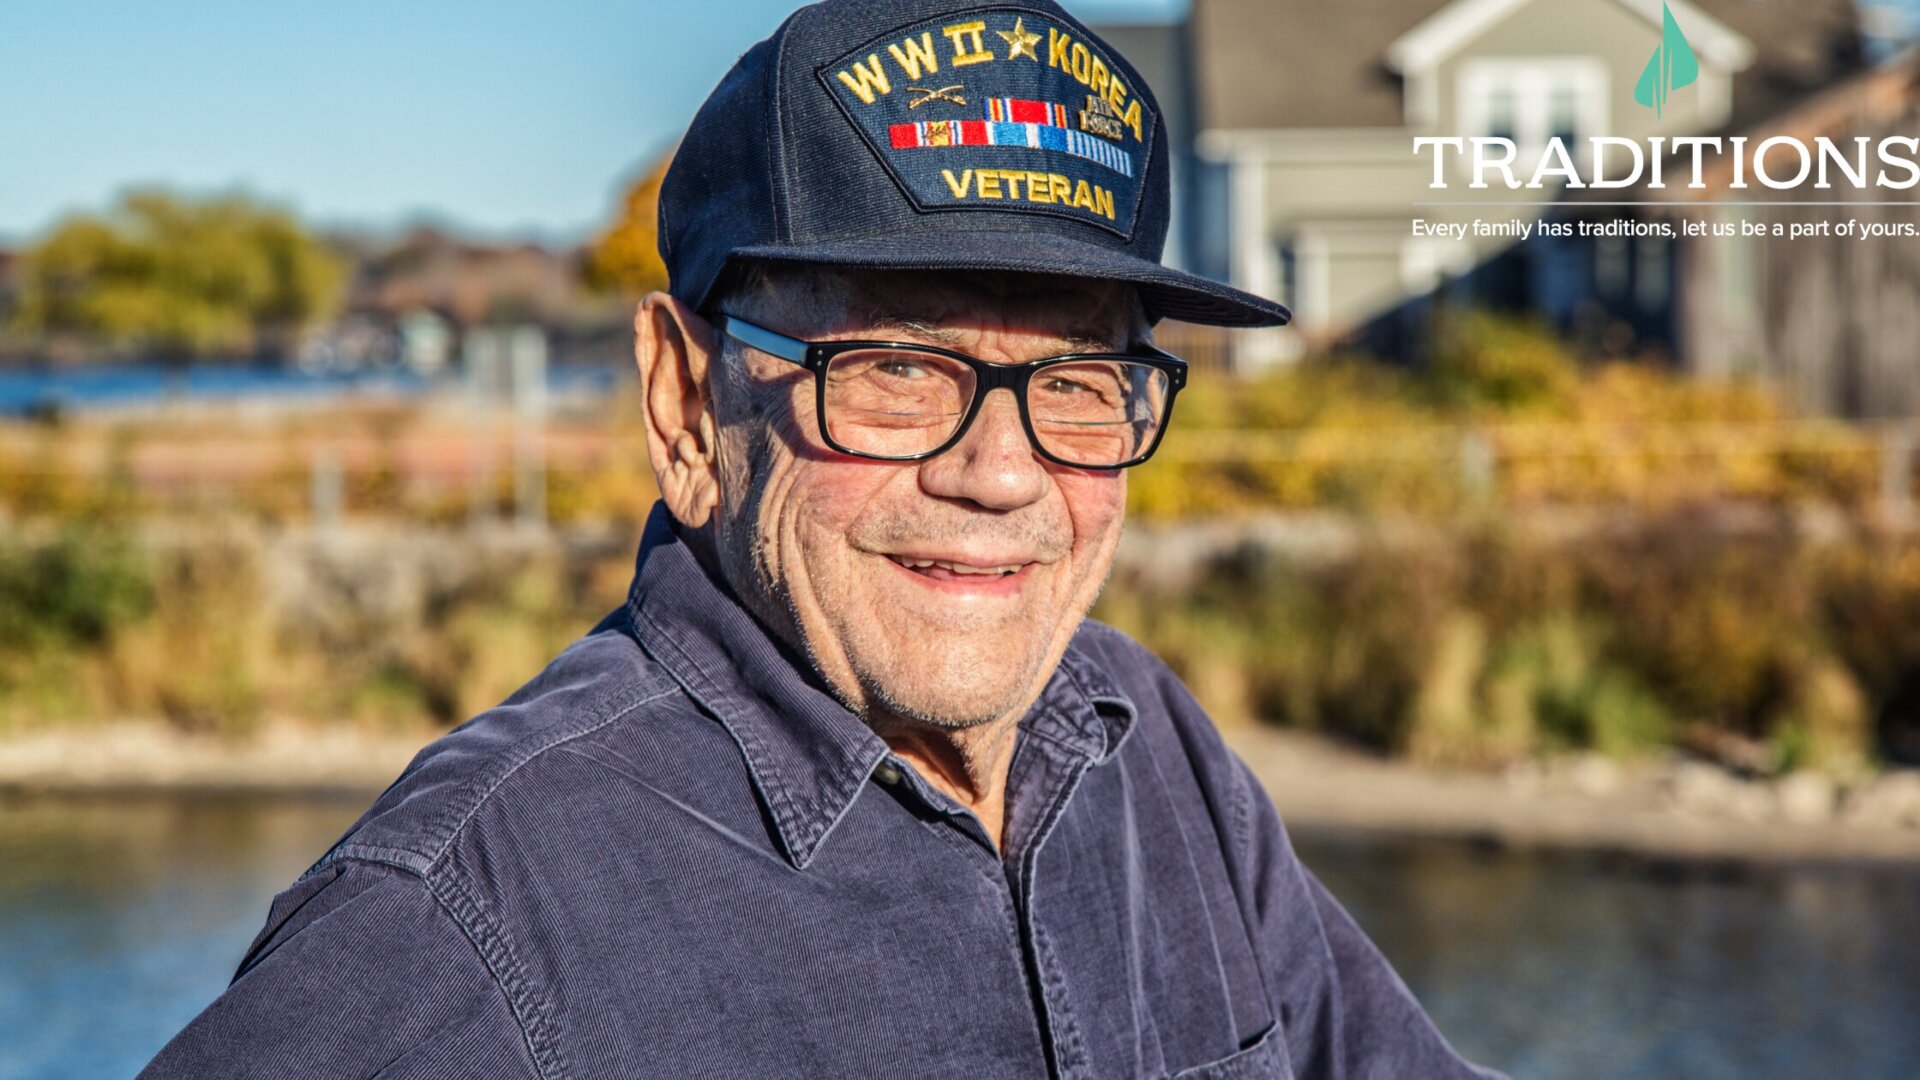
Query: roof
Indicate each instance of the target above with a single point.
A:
(1275, 64)
(1804, 46)
(1264, 64)
(1458, 24)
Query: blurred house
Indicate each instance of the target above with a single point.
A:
(1294, 124)
(1832, 320)
(414, 300)
(426, 342)
(469, 283)
(1310, 110)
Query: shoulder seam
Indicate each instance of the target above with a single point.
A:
(420, 861)
(494, 946)
(482, 798)
(480, 931)
(489, 935)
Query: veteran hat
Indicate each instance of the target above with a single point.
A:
(934, 135)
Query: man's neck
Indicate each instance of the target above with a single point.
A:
(968, 765)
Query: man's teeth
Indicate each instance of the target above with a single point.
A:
(958, 568)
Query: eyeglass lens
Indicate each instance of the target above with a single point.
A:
(900, 403)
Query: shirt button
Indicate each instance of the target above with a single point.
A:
(885, 773)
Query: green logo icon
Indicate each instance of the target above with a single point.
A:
(1672, 67)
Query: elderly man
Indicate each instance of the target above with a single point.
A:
(849, 786)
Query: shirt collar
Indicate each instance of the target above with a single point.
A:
(808, 756)
(1081, 707)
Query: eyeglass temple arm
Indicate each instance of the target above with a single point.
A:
(759, 337)
(794, 350)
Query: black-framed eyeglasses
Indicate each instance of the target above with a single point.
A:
(898, 401)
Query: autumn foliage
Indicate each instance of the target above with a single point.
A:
(626, 258)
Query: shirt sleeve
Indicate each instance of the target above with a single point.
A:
(1347, 1014)
(359, 973)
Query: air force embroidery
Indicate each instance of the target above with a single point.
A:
(1099, 118)
(1026, 116)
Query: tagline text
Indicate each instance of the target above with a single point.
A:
(1666, 229)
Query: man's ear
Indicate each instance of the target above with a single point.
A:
(675, 350)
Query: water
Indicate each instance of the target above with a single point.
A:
(1562, 964)
(31, 389)
(120, 919)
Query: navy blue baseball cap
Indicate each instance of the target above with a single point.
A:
(934, 135)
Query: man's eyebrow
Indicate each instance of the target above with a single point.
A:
(915, 330)
(952, 337)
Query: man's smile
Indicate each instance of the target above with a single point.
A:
(978, 575)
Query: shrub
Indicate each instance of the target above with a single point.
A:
(74, 590)
(1481, 647)
(1484, 361)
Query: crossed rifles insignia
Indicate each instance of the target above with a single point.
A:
(949, 94)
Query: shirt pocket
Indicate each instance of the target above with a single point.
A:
(1265, 1059)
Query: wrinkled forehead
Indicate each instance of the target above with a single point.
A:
(950, 307)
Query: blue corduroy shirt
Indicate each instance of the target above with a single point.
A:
(673, 853)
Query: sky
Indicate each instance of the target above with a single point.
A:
(509, 118)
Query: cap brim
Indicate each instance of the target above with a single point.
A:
(1167, 293)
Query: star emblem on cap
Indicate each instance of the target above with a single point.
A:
(1020, 41)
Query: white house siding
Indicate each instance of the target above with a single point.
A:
(1336, 204)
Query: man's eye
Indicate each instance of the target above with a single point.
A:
(903, 368)
(1087, 389)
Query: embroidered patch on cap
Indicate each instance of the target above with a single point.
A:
(1002, 110)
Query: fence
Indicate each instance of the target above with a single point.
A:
(600, 470)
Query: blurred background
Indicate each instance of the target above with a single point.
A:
(1565, 591)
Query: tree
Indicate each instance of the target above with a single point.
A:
(626, 257)
(224, 276)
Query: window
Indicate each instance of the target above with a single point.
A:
(1653, 274)
(1530, 101)
(1501, 112)
(1427, 264)
(1563, 116)
(1611, 267)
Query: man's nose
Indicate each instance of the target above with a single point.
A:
(994, 464)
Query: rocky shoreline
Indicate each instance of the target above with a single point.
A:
(139, 757)
(1672, 806)
(1668, 807)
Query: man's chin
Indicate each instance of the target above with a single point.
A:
(948, 713)
(966, 692)
(951, 665)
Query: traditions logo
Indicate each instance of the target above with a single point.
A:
(1780, 162)
(1673, 66)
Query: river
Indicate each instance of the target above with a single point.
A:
(121, 918)
(42, 389)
